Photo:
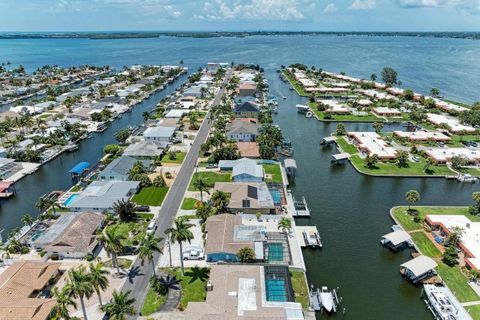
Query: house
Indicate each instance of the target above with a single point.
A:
(193, 91)
(423, 136)
(247, 170)
(387, 112)
(145, 149)
(240, 100)
(247, 110)
(242, 131)
(176, 113)
(248, 150)
(100, 196)
(23, 286)
(227, 165)
(159, 134)
(214, 66)
(444, 155)
(247, 89)
(73, 235)
(452, 123)
(119, 168)
(247, 197)
(8, 167)
(241, 292)
(372, 143)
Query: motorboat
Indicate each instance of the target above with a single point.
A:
(441, 306)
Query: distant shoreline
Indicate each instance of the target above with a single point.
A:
(212, 34)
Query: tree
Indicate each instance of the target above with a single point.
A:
(204, 210)
(113, 243)
(430, 162)
(408, 94)
(457, 162)
(120, 306)
(285, 224)
(200, 184)
(159, 182)
(402, 159)
(80, 286)
(27, 219)
(246, 255)
(371, 161)
(340, 130)
(412, 196)
(435, 92)
(389, 76)
(450, 256)
(220, 200)
(378, 126)
(63, 300)
(163, 284)
(125, 209)
(180, 232)
(455, 236)
(98, 279)
(122, 135)
(373, 77)
(147, 249)
(476, 199)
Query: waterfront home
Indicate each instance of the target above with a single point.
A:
(214, 66)
(145, 149)
(372, 143)
(227, 165)
(8, 167)
(246, 171)
(442, 226)
(418, 269)
(247, 197)
(453, 124)
(444, 155)
(25, 290)
(386, 112)
(335, 107)
(247, 110)
(120, 167)
(447, 106)
(176, 113)
(72, 235)
(423, 136)
(242, 131)
(248, 150)
(100, 196)
(246, 89)
(159, 134)
(247, 292)
(240, 100)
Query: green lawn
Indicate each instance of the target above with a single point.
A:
(391, 168)
(124, 263)
(346, 147)
(189, 203)
(274, 172)
(178, 159)
(425, 245)
(457, 282)
(153, 301)
(210, 178)
(193, 283)
(408, 224)
(150, 196)
(474, 311)
(133, 232)
(75, 188)
(297, 86)
(457, 139)
(300, 288)
(370, 117)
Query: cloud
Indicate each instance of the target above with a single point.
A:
(330, 8)
(251, 10)
(362, 5)
(470, 6)
(421, 3)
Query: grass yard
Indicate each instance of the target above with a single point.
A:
(153, 301)
(391, 168)
(189, 204)
(408, 224)
(210, 178)
(297, 86)
(150, 196)
(123, 263)
(457, 139)
(193, 283)
(133, 232)
(299, 284)
(75, 188)
(457, 282)
(346, 147)
(474, 311)
(179, 158)
(426, 246)
(274, 171)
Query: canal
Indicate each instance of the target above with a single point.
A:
(351, 211)
(54, 174)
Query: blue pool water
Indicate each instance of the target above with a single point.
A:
(275, 252)
(276, 195)
(70, 199)
(276, 290)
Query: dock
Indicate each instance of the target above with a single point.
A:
(340, 158)
(327, 141)
(300, 208)
(308, 236)
(302, 108)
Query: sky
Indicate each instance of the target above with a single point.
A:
(239, 15)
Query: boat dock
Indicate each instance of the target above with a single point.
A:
(340, 158)
(302, 108)
(308, 236)
(327, 141)
(300, 207)
(324, 299)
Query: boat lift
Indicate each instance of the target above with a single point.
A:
(322, 299)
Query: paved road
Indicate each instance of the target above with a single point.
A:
(140, 275)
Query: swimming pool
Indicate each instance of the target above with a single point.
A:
(70, 199)
(275, 252)
(276, 290)
(277, 196)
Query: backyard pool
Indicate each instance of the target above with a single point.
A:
(70, 199)
(275, 252)
(276, 290)
(277, 196)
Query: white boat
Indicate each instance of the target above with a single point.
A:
(468, 178)
(441, 306)
(284, 97)
(327, 299)
(71, 147)
(309, 114)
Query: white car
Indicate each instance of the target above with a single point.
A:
(193, 253)
(152, 226)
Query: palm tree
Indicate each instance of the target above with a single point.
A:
(43, 204)
(180, 232)
(476, 199)
(220, 200)
(412, 196)
(285, 224)
(147, 249)
(200, 184)
(27, 219)
(125, 209)
(80, 286)
(112, 241)
(98, 279)
(120, 306)
(63, 301)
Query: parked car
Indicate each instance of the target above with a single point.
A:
(152, 226)
(212, 165)
(143, 208)
(474, 144)
(193, 253)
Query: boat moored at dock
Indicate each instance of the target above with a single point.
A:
(443, 304)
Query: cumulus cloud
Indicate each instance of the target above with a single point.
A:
(471, 6)
(330, 8)
(362, 5)
(251, 10)
(421, 3)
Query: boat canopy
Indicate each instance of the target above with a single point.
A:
(79, 168)
(420, 265)
(397, 237)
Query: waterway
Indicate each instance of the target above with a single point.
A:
(350, 209)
